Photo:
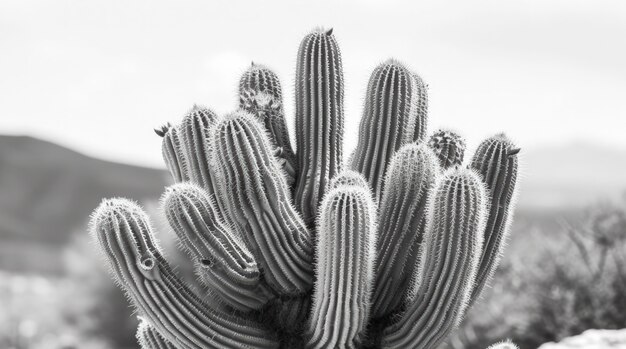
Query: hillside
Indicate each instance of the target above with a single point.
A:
(49, 191)
(571, 176)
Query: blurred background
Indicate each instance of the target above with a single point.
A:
(83, 84)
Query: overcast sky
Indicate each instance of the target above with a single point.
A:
(98, 76)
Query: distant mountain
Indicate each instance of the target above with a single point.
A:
(572, 175)
(47, 193)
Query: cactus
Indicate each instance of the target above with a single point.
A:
(299, 253)
(261, 95)
(259, 199)
(341, 299)
(449, 147)
(451, 249)
(124, 234)
(496, 161)
(410, 178)
(149, 338)
(222, 261)
(319, 119)
(389, 121)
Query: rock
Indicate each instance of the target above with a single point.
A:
(592, 339)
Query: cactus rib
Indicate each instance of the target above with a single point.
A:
(344, 271)
(319, 119)
(451, 252)
(410, 178)
(126, 238)
(259, 200)
(222, 260)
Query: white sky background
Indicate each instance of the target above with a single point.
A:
(97, 76)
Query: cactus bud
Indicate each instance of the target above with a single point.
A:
(449, 147)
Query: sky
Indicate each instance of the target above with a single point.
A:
(98, 76)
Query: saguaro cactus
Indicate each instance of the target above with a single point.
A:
(496, 161)
(390, 120)
(387, 254)
(125, 236)
(261, 95)
(410, 178)
(452, 248)
(341, 299)
(258, 198)
(319, 118)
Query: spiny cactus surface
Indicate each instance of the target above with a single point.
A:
(296, 252)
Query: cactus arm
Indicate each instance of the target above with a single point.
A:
(173, 152)
(195, 130)
(344, 271)
(260, 94)
(388, 121)
(319, 119)
(451, 251)
(496, 161)
(254, 186)
(422, 109)
(123, 232)
(223, 263)
(149, 338)
(449, 147)
(410, 178)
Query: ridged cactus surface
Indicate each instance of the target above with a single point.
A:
(450, 256)
(496, 161)
(296, 252)
(319, 119)
(403, 211)
(390, 120)
(149, 338)
(344, 270)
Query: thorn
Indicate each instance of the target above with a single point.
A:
(329, 32)
(159, 132)
(513, 152)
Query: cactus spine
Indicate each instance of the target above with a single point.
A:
(222, 261)
(319, 119)
(451, 253)
(389, 121)
(344, 271)
(149, 338)
(410, 178)
(288, 272)
(124, 234)
(449, 147)
(258, 198)
(496, 161)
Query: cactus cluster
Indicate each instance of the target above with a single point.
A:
(296, 248)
